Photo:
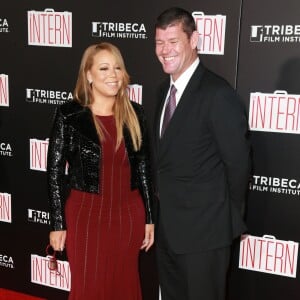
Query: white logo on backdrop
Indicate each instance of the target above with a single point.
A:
(49, 28)
(5, 149)
(42, 96)
(4, 28)
(6, 261)
(4, 92)
(277, 112)
(275, 33)
(5, 208)
(135, 92)
(38, 154)
(268, 255)
(211, 29)
(277, 185)
(41, 274)
(38, 216)
(119, 30)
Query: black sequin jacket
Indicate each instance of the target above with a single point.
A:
(74, 141)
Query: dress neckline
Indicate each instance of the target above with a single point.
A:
(105, 116)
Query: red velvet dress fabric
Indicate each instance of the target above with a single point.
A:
(105, 231)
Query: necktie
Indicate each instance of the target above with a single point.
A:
(170, 108)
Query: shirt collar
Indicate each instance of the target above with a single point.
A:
(184, 78)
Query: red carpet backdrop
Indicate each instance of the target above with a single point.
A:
(254, 44)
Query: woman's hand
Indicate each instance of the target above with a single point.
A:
(149, 237)
(58, 239)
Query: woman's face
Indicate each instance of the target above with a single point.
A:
(105, 74)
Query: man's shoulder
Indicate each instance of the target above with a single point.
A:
(215, 79)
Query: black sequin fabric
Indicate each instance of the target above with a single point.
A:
(74, 146)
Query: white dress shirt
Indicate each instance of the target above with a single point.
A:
(180, 85)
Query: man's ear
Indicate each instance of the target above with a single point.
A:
(194, 39)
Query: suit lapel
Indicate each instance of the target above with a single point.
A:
(162, 95)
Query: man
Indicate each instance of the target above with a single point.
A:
(202, 166)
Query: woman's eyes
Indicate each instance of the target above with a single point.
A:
(106, 68)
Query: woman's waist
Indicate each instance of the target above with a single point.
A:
(106, 199)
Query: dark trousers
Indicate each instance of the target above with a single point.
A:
(192, 276)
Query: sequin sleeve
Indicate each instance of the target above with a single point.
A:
(56, 165)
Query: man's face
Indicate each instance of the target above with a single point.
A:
(175, 50)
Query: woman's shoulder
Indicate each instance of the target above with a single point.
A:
(71, 107)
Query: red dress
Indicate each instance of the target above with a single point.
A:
(105, 231)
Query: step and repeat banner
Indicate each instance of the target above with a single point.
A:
(266, 262)
(254, 44)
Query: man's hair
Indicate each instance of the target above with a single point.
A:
(176, 15)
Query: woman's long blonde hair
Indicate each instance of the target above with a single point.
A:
(122, 109)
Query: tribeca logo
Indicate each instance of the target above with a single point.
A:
(135, 93)
(211, 29)
(47, 96)
(4, 26)
(4, 93)
(49, 28)
(277, 112)
(5, 208)
(6, 261)
(5, 149)
(275, 33)
(277, 185)
(38, 154)
(41, 274)
(119, 30)
(38, 216)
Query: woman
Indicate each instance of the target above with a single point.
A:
(101, 210)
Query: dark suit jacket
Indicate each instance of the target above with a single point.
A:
(202, 165)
